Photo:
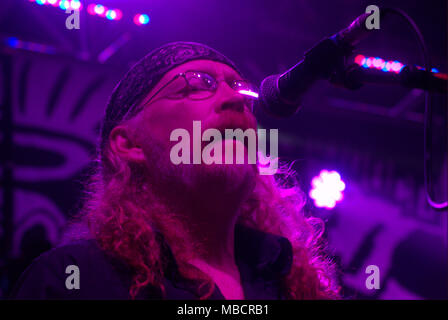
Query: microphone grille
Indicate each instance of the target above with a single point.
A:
(271, 101)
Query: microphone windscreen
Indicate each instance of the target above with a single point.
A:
(270, 100)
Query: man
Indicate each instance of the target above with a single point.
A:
(158, 230)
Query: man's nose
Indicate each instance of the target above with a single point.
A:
(229, 99)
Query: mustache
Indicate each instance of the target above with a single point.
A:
(230, 119)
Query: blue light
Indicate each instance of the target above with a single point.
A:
(12, 42)
(40, 2)
(144, 19)
(75, 4)
(64, 4)
(435, 70)
(109, 15)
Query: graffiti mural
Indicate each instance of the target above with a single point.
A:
(57, 107)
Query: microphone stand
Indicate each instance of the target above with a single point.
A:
(354, 77)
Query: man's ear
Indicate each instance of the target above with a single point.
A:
(123, 143)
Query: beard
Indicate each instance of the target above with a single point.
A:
(208, 184)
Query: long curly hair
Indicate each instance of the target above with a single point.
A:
(126, 219)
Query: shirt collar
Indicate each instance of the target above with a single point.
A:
(257, 254)
(264, 254)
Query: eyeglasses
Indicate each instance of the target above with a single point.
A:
(198, 85)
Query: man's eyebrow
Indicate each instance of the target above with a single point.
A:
(201, 69)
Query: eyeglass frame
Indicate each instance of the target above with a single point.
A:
(183, 74)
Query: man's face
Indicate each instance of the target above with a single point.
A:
(168, 111)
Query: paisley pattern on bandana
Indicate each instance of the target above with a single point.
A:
(145, 74)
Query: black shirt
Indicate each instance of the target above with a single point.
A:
(262, 259)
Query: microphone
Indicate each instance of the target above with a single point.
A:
(280, 94)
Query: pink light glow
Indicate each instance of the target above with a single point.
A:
(249, 93)
(359, 59)
(75, 4)
(378, 63)
(119, 14)
(137, 20)
(100, 10)
(396, 66)
(327, 189)
(91, 9)
(141, 19)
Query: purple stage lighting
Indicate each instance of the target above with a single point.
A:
(64, 5)
(141, 19)
(249, 93)
(327, 189)
(75, 4)
(378, 63)
(100, 10)
(91, 9)
(111, 14)
(94, 9)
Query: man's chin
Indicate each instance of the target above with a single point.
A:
(229, 180)
(235, 169)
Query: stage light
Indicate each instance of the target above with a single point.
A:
(118, 13)
(435, 70)
(364, 63)
(75, 4)
(144, 19)
(359, 59)
(327, 189)
(140, 19)
(378, 63)
(64, 4)
(91, 9)
(111, 14)
(396, 66)
(137, 20)
(13, 42)
(100, 10)
(94, 9)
